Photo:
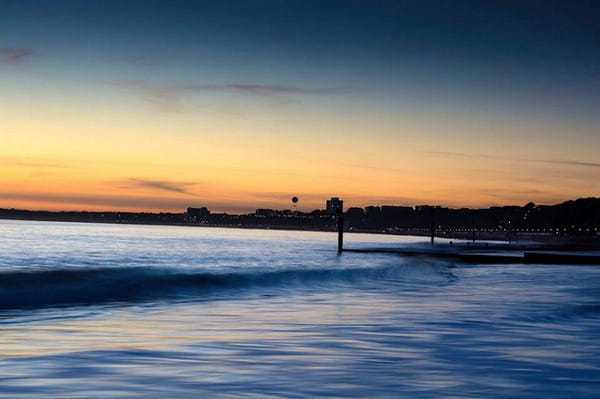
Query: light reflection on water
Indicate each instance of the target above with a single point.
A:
(354, 325)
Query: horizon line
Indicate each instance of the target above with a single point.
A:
(288, 209)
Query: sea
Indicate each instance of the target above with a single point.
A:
(135, 311)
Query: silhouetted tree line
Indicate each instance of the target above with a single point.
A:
(574, 217)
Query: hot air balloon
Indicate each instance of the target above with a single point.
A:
(294, 201)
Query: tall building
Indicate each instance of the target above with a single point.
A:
(334, 206)
(198, 213)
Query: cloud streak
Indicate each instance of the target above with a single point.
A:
(169, 97)
(14, 56)
(170, 186)
(564, 162)
(94, 201)
(31, 162)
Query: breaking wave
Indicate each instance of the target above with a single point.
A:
(25, 289)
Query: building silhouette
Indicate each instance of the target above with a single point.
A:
(198, 214)
(334, 205)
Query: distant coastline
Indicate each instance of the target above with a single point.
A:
(570, 223)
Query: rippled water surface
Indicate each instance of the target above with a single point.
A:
(108, 311)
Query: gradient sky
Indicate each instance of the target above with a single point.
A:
(236, 105)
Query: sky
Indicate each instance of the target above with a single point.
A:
(237, 105)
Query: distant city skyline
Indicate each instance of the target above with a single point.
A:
(235, 105)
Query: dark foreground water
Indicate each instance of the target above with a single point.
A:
(107, 311)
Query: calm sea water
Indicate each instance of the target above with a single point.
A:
(109, 311)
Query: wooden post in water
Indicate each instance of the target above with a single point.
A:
(340, 221)
(432, 224)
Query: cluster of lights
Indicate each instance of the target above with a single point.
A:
(500, 228)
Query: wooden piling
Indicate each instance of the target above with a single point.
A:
(340, 221)
(432, 225)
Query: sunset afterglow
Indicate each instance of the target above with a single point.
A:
(163, 105)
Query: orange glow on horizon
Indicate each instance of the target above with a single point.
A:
(93, 155)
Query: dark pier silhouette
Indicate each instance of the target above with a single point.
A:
(488, 253)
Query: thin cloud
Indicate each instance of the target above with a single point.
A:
(169, 97)
(171, 186)
(273, 90)
(30, 162)
(376, 168)
(66, 163)
(579, 163)
(13, 56)
(566, 162)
